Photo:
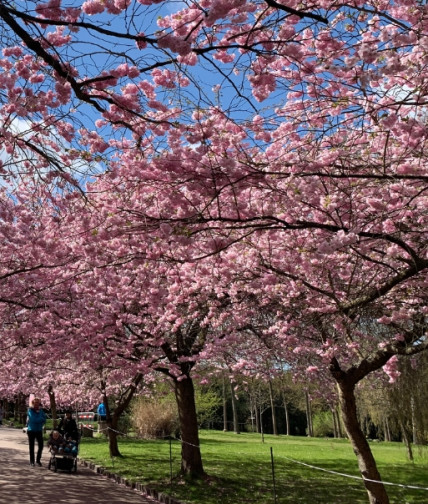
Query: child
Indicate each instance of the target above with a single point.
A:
(56, 442)
(71, 447)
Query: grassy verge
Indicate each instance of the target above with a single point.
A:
(240, 469)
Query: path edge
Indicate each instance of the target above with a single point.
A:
(149, 492)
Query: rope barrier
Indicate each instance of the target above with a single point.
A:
(413, 487)
(336, 473)
(89, 427)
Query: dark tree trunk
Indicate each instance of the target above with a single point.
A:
(112, 418)
(287, 419)
(52, 402)
(386, 429)
(272, 406)
(309, 414)
(287, 416)
(366, 462)
(113, 444)
(414, 424)
(191, 460)
(339, 422)
(20, 411)
(112, 421)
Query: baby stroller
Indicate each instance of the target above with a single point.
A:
(63, 453)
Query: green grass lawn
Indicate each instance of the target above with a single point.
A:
(239, 469)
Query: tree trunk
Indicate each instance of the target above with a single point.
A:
(191, 460)
(366, 462)
(112, 425)
(252, 414)
(287, 418)
(406, 438)
(6, 407)
(52, 402)
(261, 425)
(339, 422)
(309, 415)
(225, 428)
(387, 429)
(272, 406)
(257, 416)
(414, 427)
(335, 427)
(20, 412)
(234, 410)
(112, 420)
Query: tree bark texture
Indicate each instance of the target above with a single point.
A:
(287, 418)
(52, 402)
(339, 422)
(335, 427)
(113, 418)
(112, 425)
(309, 414)
(366, 462)
(272, 406)
(191, 460)
(414, 423)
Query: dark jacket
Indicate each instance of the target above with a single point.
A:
(68, 428)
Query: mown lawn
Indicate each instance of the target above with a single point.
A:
(240, 469)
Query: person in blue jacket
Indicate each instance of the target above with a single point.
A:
(36, 419)
(101, 412)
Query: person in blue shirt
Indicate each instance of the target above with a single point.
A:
(101, 412)
(36, 419)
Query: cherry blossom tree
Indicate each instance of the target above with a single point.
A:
(148, 316)
(287, 140)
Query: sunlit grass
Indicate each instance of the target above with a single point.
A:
(240, 469)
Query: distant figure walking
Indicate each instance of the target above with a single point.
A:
(102, 413)
(36, 419)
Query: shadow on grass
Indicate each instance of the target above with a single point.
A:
(244, 475)
(253, 483)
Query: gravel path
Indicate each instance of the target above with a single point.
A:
(21, 484)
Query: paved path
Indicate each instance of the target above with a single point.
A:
(21, 484)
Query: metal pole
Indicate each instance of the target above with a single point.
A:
(273, 475)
